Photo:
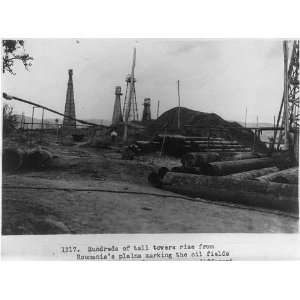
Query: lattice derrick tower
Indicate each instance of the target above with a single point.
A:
(130, 104)
(292, 95)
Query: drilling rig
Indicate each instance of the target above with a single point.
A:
(287, 126)
(130, 111)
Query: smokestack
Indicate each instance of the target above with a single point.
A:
(117, 114)
(70, 105)
(147, 111)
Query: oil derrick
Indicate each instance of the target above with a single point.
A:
(288, 116)
(70, 105)
(146, 111)
(117, 114)
(130, 111)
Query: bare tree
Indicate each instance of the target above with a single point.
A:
(13, 50)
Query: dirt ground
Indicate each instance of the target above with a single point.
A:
(69, 203)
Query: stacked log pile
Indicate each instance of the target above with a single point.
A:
(270, 195)
(178, 145)
(247, 179)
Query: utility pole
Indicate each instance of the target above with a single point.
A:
(178, 91)
(22, 121)
(246, 117)
(286, 96)
(31, 133)
(33, 108)
(42, 126)
(274, 134)
(43, 118)
(157, 112)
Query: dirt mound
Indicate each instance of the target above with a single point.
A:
(203, 124)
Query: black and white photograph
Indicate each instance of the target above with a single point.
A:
(150, 136)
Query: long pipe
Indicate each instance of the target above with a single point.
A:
(9, 97)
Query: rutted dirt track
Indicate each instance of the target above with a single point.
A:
(54, 211)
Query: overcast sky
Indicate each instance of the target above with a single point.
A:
(221, 76)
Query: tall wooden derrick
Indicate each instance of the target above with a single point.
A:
(117, 114)
(288, 116)
(70, 105)
(130, 111)
(147, 110)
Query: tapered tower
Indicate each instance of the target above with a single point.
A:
(117, 114)
(146, 111)
(70, 105)
(288, 115)
(130, 111)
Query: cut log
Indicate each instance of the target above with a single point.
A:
(191, 170)
(238, 155)
(285, 176)
(252, 174)
(147, 146)
(197, 159)
(245, 155)
(284, 160)
(270, 195)
(220, 149)
(12, 159)
(204, 138)
(236, 166)
(215, 143)
(38, 159)
(187, 138)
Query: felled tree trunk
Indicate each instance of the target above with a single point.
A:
(197, 159)
(244, 155)
(253, 173)
(285, 176)
(38, 159)
(12, 159)
(229, 167)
